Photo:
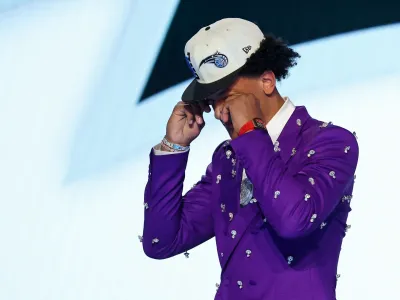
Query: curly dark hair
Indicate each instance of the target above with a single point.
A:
(273, 55)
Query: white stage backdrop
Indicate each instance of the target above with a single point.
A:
(74, 152)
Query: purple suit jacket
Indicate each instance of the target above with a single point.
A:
(285, 244)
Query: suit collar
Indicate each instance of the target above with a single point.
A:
(277, 123)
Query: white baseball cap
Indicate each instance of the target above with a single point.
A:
(216, 54)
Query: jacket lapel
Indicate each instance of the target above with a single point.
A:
(290, 137)
(235, 219)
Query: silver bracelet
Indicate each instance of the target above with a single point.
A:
(173, 146)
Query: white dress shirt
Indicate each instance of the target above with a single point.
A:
(274, 126)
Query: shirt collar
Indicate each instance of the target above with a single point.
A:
(279, 120)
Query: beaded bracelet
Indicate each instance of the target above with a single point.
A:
(174, 147)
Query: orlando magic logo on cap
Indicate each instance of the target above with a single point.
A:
(218, 59)
(216, 54)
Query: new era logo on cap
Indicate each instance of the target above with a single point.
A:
(247, 49)
(216, 53)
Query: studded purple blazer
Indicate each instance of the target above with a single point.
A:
(283, 245)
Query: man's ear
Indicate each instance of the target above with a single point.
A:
(268, 82)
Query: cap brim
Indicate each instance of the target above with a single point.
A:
(197, 92)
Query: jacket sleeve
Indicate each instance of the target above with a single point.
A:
(174, 223)
(295, 205)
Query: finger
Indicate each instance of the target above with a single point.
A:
(225, 114)
(198, 113)
(180, 108)
(197, 126)
(189, 114)
(180, 104)
(217, 113)
(205, 106)
(184, 112)
(232, 97)
(201, 126)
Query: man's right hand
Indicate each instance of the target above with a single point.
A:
(186, 122)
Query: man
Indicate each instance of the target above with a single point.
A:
(276, 196)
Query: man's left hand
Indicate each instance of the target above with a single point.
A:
(241, 108)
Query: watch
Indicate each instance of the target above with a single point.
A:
(256, 123)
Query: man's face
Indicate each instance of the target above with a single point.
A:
(241, 86)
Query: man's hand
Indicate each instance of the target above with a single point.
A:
(186, 123)
(239, 109)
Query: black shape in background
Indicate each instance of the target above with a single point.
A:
(296, 21)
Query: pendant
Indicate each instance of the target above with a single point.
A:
(246, 192)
